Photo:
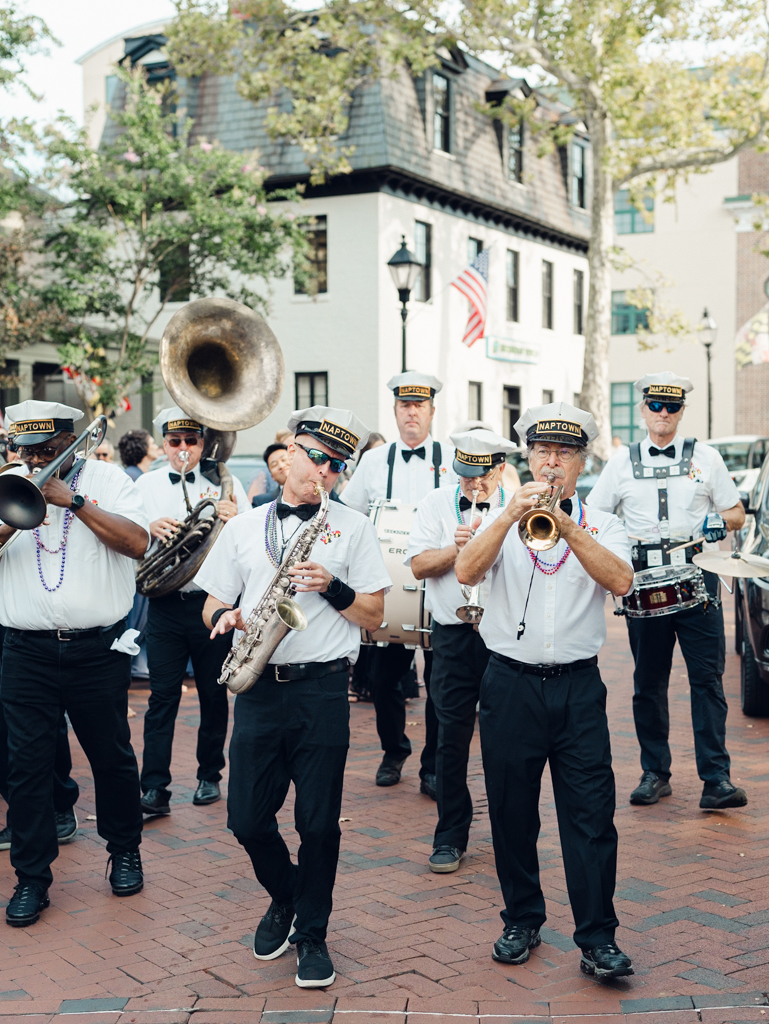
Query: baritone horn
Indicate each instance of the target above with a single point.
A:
(539, 528)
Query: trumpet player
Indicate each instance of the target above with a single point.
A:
(175, 632)
(443, 524)
(293, 724)
(542, 698)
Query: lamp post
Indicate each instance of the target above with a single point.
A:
(707, 335)
(405, 268)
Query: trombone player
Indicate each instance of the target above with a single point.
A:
(542, 698)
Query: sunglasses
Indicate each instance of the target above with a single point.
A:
(191, 442)
(320, 459)
(672, 407)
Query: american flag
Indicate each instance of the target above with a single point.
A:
(472, 283)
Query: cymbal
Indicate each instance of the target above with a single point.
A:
(733, 563)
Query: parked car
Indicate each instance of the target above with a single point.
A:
(751, 604)
(744, 455)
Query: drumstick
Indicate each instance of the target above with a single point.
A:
(687, 544)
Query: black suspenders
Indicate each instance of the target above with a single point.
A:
(437, 457)
(391, 464)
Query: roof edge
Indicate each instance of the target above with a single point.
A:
(146, 27)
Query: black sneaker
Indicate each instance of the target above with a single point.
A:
(445, 859)
(514, 944)
(272, 932)
(389, 772)
(427, 786)
(126, 877)
(650, 789)
(5, 838)
(25, 905)
(606, 961)
(313, 965)
(155, 801)
(716, 795)
(66, 826)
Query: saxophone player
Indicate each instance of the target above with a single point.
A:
(293, 724)
(175, 633)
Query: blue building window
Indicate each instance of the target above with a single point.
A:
(626, 318)
(625, 422)
(628, 219)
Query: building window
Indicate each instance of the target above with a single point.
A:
(310, 389)
(316, 282)
(547, 294)
(511, 411)
(513, 284)
(624, 416)
(578, 175)
(515, 153)
(628, 219)
(474, 248)
(579, 302)
(547, 396)
(475, 400)
(174, 275)
(111, 83)
(626, 318)
(423, 250)
(441, 114)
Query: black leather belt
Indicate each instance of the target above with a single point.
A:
(68, 634)
(548, 671)
(312, 670)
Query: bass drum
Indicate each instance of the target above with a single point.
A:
(406, 621)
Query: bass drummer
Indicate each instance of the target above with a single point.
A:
(407, 470)
(670, 490)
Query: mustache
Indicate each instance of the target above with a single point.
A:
(555, 471)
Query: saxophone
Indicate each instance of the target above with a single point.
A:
(276, 613)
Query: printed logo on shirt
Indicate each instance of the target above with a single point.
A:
(695, 474)
(92, 500)
(327, 534)
(210, 492)
(592, 530)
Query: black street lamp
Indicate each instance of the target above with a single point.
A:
(707, 335)
(405, 268)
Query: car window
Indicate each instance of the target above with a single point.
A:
(757, 454)
(735, 455)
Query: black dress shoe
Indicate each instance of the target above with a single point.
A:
(606, 961)
(126, 877)
(389, 772)
(155, 801)
(5, 838)
(445, 859)
(207, 793)
(513, 945)
(272, 932)
(66, 826)
(26, 903)
(650, 789)
(722, 794)
(427, 786)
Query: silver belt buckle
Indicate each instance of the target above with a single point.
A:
(63, 639)
(277, 674)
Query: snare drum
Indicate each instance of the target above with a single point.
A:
(664, 590)
(406, 620)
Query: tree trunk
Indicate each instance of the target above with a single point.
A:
(594, 396)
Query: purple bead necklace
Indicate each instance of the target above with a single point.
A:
(69, 515)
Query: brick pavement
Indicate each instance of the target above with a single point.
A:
(691, 898)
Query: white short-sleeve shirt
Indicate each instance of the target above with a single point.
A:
(412, 480)
(347, 546)
(707, 488)
(433, 528)
(99, 584)
(565, 617)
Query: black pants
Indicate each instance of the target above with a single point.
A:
(387, 667)
(459, 660)
(41, 678)
(176, 633)
(700, 634)
(526, 720)
(291, 732)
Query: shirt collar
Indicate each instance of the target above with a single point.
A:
(428, 445)
(646, 445)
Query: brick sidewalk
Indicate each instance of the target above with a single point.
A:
(691, 897)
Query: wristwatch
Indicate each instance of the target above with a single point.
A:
(334, 589)
(77, 502)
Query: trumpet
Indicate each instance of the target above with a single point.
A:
(472, 610)
(538, 528)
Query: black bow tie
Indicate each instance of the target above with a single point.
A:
(669, 451)
(176, 477)
(465, 504)
(302, 511)
(408, 452)
(566, 506)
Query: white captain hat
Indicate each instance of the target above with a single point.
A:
(664, 387)
(478, 451)
(174, 418)
(414, 387)
(339, 429)
(558, 422)
(33, 422)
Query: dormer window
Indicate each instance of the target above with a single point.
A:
(578, 175)
(515, 153)
(441, 114)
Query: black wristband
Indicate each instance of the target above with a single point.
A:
(339, 595)
(217, 615)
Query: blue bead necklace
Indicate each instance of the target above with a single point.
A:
(69, 515)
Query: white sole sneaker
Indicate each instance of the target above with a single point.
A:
(281, 949)
(316, 983)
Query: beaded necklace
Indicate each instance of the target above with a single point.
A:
(460, 514)
(69, 515)
(549, 568)
(273, 546)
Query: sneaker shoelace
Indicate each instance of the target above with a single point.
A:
(26, 892)
(309, 946)
(122, 863)
(516, 931)
(279, 913)
(608, 949)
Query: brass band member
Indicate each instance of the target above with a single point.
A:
(440, 530)
(65, 591)
(698, 499)
(175, 632)
(542, 698)
(293, 725)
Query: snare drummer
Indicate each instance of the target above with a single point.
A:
(673, 489)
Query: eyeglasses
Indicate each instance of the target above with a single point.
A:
(191, 442)
(563, 454)
(320, 459)
(44, 453)
(672, 407)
